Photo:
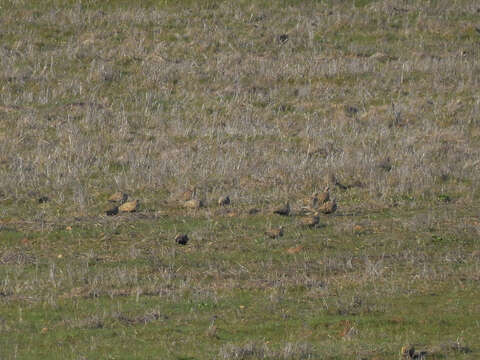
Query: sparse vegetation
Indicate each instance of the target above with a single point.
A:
(182, 105)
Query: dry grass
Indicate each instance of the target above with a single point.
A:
(265, 103)
(217, 101)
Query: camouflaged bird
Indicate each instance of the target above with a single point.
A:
(189, 194)
(310, 221)
(324, 196)
(193, 204)
(274, 233)
(119, 196)
(311, 201)
(224, 200)
(329, 207)
(130, 206)
(409, 352)
(330, 179)
(282, 210)
(113, 211)
(181, 239)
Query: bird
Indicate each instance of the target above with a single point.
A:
(283, 38)
(224, 200)
(410, 353)
(181, 239)
(212, 329)
(112, 211)
(310, 221)
(330, 179)
(329, 207)
(324, 196)
(283, 210)
(130, 206)
(43, 199)
(295, 249)
(311, 201)
(119, 196)
(193, 204)
(189, 194)
(274, 233)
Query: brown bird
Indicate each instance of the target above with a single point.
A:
(324, 196)
(189, 194)
(330, 179)
(282, 210)
(316, 199)
(307, 210)
(311, 201)
(310, 221)
(112, 211)
(212, 329)
(329, 207)
(224, 200)
(193, 204)
(130, 206)
(181, 239)
(274, 233)
(295, 249)
(118, 197)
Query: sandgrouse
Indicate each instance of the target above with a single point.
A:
(310, 221)
(274, 233)
(316, 201)
(224, 200)
(193, 204)
(188, 194)
(130, 206)
(410, 353)
(324, 196)
(112, 211)
(118, 197)
(181, 239)
(329, 207)
(283, 210)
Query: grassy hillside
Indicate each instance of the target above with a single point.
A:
(266, 102)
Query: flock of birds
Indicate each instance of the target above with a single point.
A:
(309, 213)
(318, 203)
(312, 207)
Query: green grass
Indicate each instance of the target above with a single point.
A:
(157, 97)
(94, 300)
